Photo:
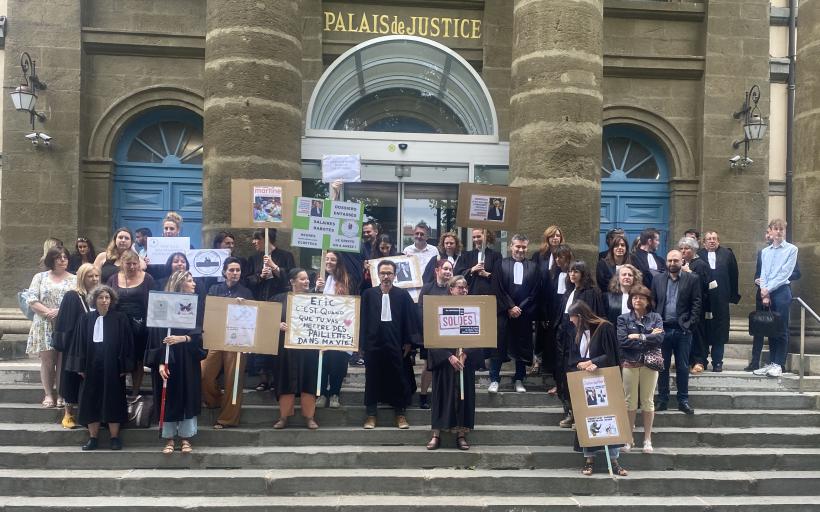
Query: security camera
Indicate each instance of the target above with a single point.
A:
(46, 138)
(33, 138)
(747, 162)
(403, 146)
(735, 159)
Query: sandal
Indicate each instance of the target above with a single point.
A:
(60, 402)
(461, 443)
(262, 386)
(552, 391)
(48, 402)
(587, 469)
(281, 423)
(618, 469)
(219, 426)
(434, 443)
(186, 446)
(169, 447)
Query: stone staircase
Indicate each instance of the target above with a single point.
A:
(752, 445)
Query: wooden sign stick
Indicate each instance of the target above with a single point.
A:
(236, 374)
(164, 385)
(267, 243)
(483, 245)
(608, 460)
(319, 374)
(322, 264)
(460, 374)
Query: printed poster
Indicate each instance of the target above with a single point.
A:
(457, 321)
(327, 224)
(160, 248)
(240, 325)
(487, 208)
(599, 427)
(267, 204)
(346, 168)
(595, 392)
(172, 310)
(207, 262)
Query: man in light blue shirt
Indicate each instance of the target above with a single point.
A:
(777, 264)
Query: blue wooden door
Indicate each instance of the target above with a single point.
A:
(634, 184)
(159, 169)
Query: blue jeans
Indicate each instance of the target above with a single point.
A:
(495, 370)
(185, 429)
(781, 301)
(614, 451)
(678, 342)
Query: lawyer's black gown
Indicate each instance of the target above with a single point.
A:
(294, 370)
(102, 394)
(72, 309)
(515, 339)
(448, 411)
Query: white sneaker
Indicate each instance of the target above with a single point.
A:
(493, 387)
(775, 371)
(334, 402)
(647, 447)
(321, 401)
(519, 387)
(763, 370)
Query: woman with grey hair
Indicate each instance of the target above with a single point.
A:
(102, 353)
(693, 263)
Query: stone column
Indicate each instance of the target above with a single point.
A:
(556, 103)
(806, 200)
(253, 98)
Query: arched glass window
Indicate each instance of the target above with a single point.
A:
(168, 142)
(629, 155)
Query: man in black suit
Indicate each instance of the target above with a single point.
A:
(649, 263)
(677, 299)
(496, 211)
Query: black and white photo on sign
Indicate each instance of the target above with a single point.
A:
(404, 272)
(496, 208)
(601, 426)
(267, 204)
(487, 207)
(316, 208)
(595, 392)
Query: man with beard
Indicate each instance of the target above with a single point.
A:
(722, 292)
(389, 328)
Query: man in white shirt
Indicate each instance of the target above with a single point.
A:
(420, 248)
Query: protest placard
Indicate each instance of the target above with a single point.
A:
(327, 224)
(491, 207)
(460, 321)
(323, 322)
(408, 271)
(241, 326)
(263, 203)
(599, 407)
(158, 249)
(347, 168)
(172, 310)
(206, 262)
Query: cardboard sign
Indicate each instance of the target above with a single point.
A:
(263, 203)
(408, 271)
(492, 207)
(327, 224)
(160, 248)
(246, 326)
(599, 407)
(172, 310)
(347, 168)
(323, 322)
(207, 262)
(460, 321)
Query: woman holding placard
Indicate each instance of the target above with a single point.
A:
(295, 370)
(440, 286)
(450, 412)
(595, 345)
(182, 372)
(334, 362)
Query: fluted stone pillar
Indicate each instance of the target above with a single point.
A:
(253, 98)
(556, 103)
(806, 201)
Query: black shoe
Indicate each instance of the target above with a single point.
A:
(717, 368)
(751, 368)
(116, 444)
(662, 405)
(424, 403)
(685, 408)
(91, 444)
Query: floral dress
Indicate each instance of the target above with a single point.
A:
(50, 295)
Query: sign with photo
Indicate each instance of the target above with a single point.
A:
(263, 203)
(491, 207)
(323, 322)
(463, 321)
(408, 271)
(327, 224)
(347, 168)
(172, 310)
(160, 248)
(206, 262)
(241, 325)
(599, 407)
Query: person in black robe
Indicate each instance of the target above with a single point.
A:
(183, 373)
(479, 263)
(450, 413)
(72, 309)
(296, 371)
(692, 262)
(439, 286)
(553, 286)
(517, 284)
(617, 255)
(389, 329)
(723, 290)
(645, 258)
(102, 353)
(594, 345)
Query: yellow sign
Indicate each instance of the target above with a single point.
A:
(386, 24)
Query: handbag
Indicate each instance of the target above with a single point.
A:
(22, 302)
(653, 359)
(140, 410)
(766, 323)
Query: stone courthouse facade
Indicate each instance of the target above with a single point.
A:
(605, 112)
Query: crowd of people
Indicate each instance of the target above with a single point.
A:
(557, 314)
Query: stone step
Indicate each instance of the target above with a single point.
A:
(353, 415)
(403, 457)
(47, 435)
(416, 503)
(423, 482)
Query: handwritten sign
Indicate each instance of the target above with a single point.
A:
(460, 321)
(599, 407)
(327, 224)
(207, 262)
(171, 310)
(347, 168)
(324, 322)
(160, 248)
